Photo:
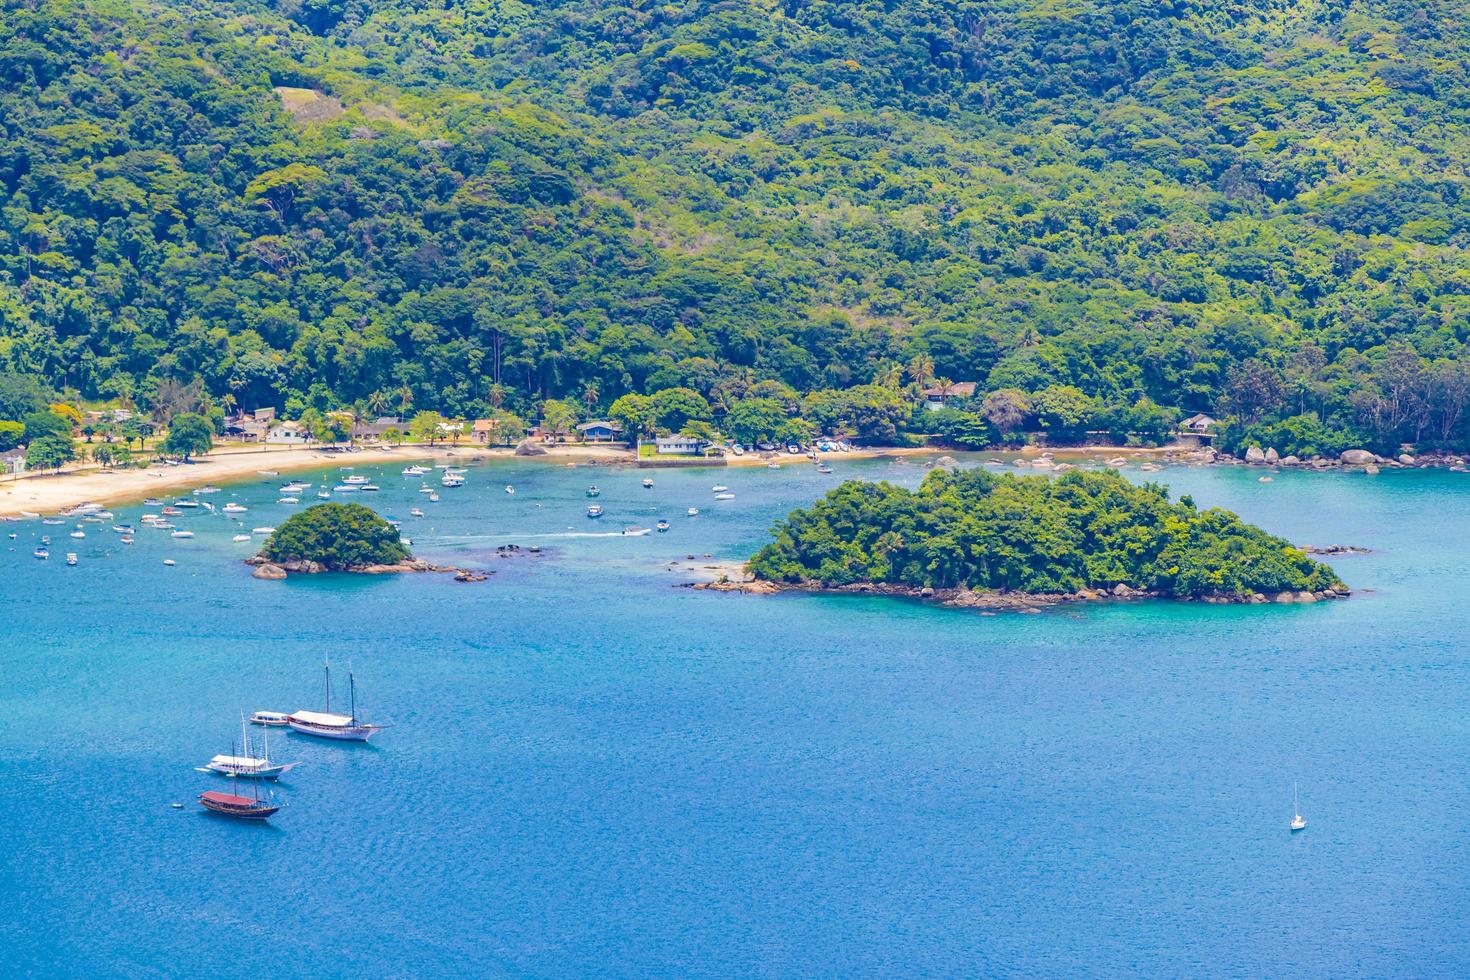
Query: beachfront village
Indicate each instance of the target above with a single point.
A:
(43, 432)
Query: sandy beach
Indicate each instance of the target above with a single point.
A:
(47, 494)
(51, 493)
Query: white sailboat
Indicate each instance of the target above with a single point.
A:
(247, 766)
(1298, 822)
(324, 724)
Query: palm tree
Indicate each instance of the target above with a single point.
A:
(921, 369)
(590, 396)
(228, 402)
(497, 395)
(376, 403)
(405, 399)
(890, 377)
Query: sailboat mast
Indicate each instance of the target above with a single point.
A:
(352, 689)
(327, 672)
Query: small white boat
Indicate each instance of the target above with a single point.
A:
(594, 511)
(262, 530)
(324, 495)
(415, 470)
(234, 508)
(433, 497)
(719, 488)
(369, 488)
(29, 515)
(272, 719)
(346, 488)
(126, 539)
(1298, 822)
(152, 502)
(123, 528)
(636, 532)
(647, 483)
(355, 479)
(693, 512)
(773, 465)
(161, 525)
(415, 512)
(240, 537)
(41, 553)
(594, 491)
(450, 480)
(724, 496)
(662, 526)
(288, 500)
(293, 488)
(185, 502)
(426, 489)
(71, 557)
(181, 534)
(824, 468)
(209, 489)
(53, 521)
(170, 562)
(510, 489)
(79, 533)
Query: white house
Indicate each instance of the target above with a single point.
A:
(288, 433)
(680, 446)
(1198, 423)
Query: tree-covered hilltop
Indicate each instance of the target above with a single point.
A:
(972, 530)
(337, 537)
(1103, 213)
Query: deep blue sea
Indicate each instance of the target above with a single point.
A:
(592, 772)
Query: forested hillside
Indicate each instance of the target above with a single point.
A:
(1103, 213)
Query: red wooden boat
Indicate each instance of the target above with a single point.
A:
(231, 805)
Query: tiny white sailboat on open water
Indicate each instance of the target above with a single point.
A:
(1298, 822)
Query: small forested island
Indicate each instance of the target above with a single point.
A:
(972, 538)
(335, 537)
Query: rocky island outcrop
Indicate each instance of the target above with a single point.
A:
(335, 537)
(978, 540)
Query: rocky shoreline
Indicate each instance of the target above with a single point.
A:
(1008, 601)
(275, 571)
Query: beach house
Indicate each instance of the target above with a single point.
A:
(600, 430)
(365, 430)
(13, 461)
(939, 396)
(484, 431)
(1198, 423)
(679, 446)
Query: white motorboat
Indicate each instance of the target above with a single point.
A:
(1298, 822)
(636, 532)
(71, 557)
(719, 488)
(693, 512)
(724, 496)
(79, 533)
(415, 512)
(273, 719)
(288, 500)
(233, 508)
(510, 489)
(262, 530)
(355, 479)
(647, 483)
(240, 537)
(594, 511)
(181, 534)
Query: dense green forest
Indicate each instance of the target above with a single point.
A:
(1103, 212)
(969, 529)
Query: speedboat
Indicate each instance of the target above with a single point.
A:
(126, 539)
(510, 489)
(369, 488)
(647, 483)
(593, 491)
(288, 500)
(724, 496)
(823, 468)
(662, 526)
(636, 532)
(295, 487)
(433, 497)
(451, 480)
(693, 512)
(152, 502)
(53, 521)
(185, 502)
(415, 470)
(719, 488)
(594, 511)
(170, 562)
(172, 512)
(79, 533)
(273, 719)
(323, 494)
(355, 478)
(230, 508)
(41, 553)
(262, 530)
(415, 512)
(209, 489)
(161, 525)
(346, 488)
(240, 537)
(181, 534)
(123, 528)
(268, 472)
(426, 489)
(71, 557)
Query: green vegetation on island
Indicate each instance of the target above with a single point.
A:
(977, 531)
(336, 537)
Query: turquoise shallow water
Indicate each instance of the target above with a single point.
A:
(592, 772)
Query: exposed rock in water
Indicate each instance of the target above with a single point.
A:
(268, 571)
(1289, 461)
(1357, 457)
(1272, 457)
(1371, 469)
(528, 448)
(1254, 455)
(1406, 459)
(1333, 549)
